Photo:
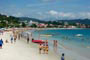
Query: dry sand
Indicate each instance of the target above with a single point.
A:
(22, 51)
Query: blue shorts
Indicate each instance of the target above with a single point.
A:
(0, 44)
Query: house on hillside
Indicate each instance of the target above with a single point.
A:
(42, 25)
(32, 22)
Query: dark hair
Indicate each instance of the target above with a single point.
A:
(47, 45)
(32, 38)
(62, 54)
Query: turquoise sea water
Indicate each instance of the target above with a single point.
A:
(68, 38)
(66, 35)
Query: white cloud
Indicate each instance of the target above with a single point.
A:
(61, 14)
(52, 14)
(85, 14)
(69, 15)
(18, 14)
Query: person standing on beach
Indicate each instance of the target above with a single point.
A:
(62, 57)
(46, 42)
(1, 43)
(40, 48)
(19, 36)
(11, 39)
(45, 47)
(15, 39)
(55, 44)
(27, 39)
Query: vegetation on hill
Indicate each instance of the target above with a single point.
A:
(9, 21)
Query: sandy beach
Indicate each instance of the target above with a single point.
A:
(22, 51)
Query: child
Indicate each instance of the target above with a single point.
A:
(62, 57)
(6, 41)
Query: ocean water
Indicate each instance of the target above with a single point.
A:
(76, 47)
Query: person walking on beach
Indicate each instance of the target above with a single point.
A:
(62, 57)
(15, 37)
(1, 43)
(40, 48)
(44, 47)
(11, 39)
(55, 44)
(27, 39)
(19, 36)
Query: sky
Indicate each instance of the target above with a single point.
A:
(46, 9)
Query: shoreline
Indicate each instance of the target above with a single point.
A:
(25, 29)
(66, 51)
(22, 51)
(74, 53)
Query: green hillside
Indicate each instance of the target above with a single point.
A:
(8, 21)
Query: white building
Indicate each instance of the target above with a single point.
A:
(32, 22)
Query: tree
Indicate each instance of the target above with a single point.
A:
(34, 25)
(23, 24)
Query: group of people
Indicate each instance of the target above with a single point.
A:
(13, 38)
(44, 47)
(6, 41)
